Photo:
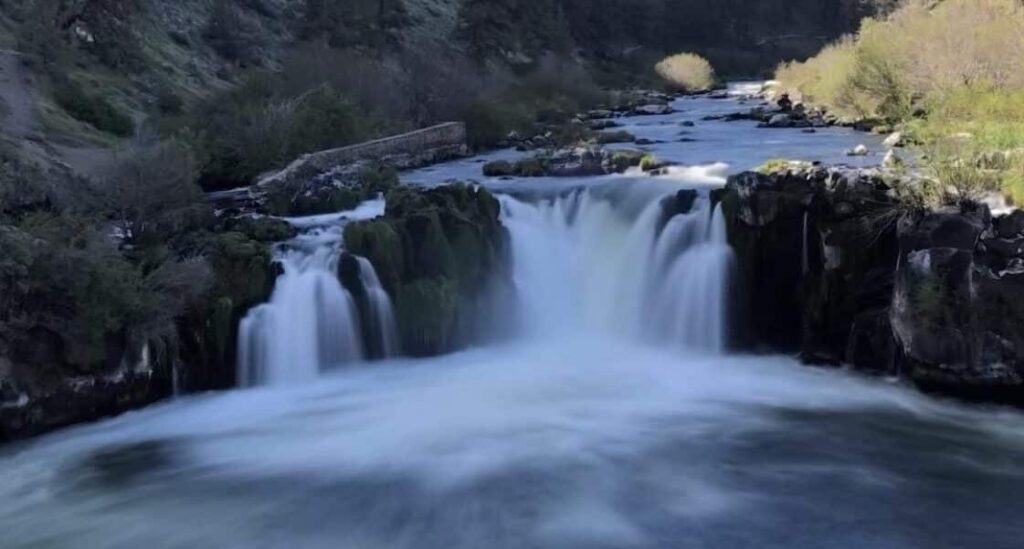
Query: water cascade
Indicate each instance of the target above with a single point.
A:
(380, 324)
(589, 262)
(312, 323)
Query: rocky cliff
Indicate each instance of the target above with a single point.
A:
(839, 270)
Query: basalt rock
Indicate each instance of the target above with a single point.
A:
(837, 270)
(443, 256)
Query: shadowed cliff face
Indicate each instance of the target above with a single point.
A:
(738, 36)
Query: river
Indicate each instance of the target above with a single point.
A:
(612, 416)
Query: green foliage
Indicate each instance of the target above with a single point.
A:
(687, 72)
(257, 127)
(649, 162)
(234, 34)
(951, 72)
(355, 22)
(488, 122)
(92, 109)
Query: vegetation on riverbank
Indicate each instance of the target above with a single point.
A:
(686, 72)
(951, 74)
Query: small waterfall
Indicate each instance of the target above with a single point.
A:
(310, 323)
(381, 322)
(690, 298)
(583, 262)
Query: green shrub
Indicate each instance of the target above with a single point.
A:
(489, 121)
(687, 72)
(951, 72)
(92, 109)
(254, 128)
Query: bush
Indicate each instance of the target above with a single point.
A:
(254, 128)
(94, 110)
(234, 35)
(686, 72)
(951, 72)
(147, 192)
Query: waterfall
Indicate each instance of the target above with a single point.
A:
(312, 323)
(689, 302)
(381, 324)
(588, 263)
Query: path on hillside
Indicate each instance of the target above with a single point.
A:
(19, 120)
(18, 117)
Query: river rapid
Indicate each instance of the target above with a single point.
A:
(609, 415)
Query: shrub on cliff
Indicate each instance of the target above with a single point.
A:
(686, 72)
(91, 108)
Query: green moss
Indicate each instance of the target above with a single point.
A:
(378, 241)
(427, 311)
(266, 229)
(649, 162)
(243, 269)
(777, 165)
(623, 160)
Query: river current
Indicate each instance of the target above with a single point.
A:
(612, 416)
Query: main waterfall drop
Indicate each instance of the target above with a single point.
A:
(597, 261)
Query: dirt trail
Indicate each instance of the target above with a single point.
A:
(19, 121)
(18, 116)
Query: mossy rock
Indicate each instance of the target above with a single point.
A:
(378, 241)
(623, 160)
(531, 167)
(437, 251)
(427, 311)
(243, 269)
(620, 136)
(378, 178)
(265, 229)
(499, 168)
(650, 163)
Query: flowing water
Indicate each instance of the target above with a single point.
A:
(615, 418)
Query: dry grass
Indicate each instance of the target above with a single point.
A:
(941, 69)
(687, 72)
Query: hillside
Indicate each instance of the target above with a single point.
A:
(101, 71)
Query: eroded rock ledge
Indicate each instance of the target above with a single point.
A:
(839, 270)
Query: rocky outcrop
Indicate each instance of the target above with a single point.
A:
(841, 272)
(443, 256)
(583, 161)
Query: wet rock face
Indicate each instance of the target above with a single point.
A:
(442, 254)
(838, 271)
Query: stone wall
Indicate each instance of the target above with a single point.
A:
(408, 150)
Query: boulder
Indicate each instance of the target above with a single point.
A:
(620, 136)
(499, 168)
(859, 150)
(894, 140)
(653, 109)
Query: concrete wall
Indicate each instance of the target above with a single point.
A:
(447, 136)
